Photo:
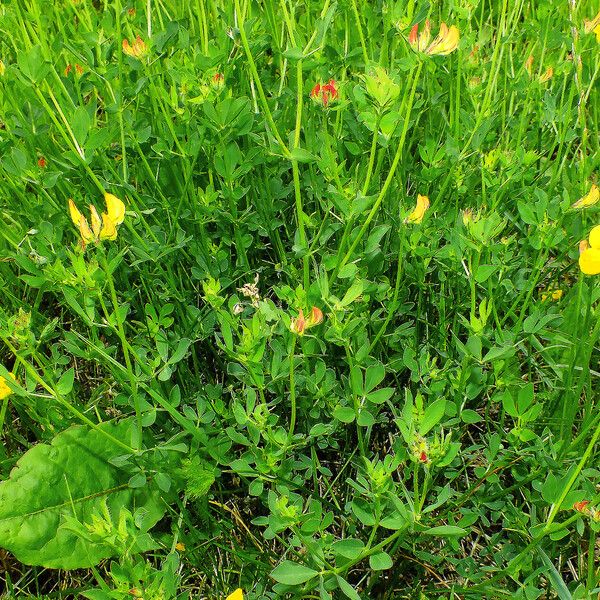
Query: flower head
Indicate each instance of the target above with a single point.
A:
(41, 162)
(419, 41)
(589, 257)
(325, 93)
(591, 198)
(416, 216)
(581, 506)
(217, 80)
(237, 595)
(300, 324)
(5, 391)
(555, 295)
(2, 68)
(546, 75)
(138, 49)
(102, 227)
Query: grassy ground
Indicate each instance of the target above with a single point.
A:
(340, 344)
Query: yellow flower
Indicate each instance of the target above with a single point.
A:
(5, 391)
(553, 295)
(446, 41)
(138, 49)
(589, 257)
(593, 26)
(300, 324)
(2, 68)
(180, 547)
(546, 75)
(589, 199)
(416, 216)
(103, 227)
(237, 595)
(418, 40)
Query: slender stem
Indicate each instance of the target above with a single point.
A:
(361, 35)
(292, 392)
(256, 79)
(124, 345)
(31, 371)
(389, 177)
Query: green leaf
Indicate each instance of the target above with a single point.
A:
(380, 396)
(374, 376)
(433, 415)
(291, 573)
(345, 414)
(68, 478)
(470, 416)
(354, 291)
(347, 589)
(380, 561)
(558, 583)
(65, 383)
(302, 155)
(445, 530)
(349, 548)
(293, 54)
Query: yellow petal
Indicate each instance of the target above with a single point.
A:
(589, 199)
(87, 235)
(416, 216)
(589, 261)
(96, 221)
(595, 237)
(109, 228)
(237, 595)
(446, 41)
(592, 25)
(114, 208)
(74, 212)
(5, 391)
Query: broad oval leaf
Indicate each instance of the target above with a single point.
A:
(69, 478)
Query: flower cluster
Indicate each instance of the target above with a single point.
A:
(102, 227)
(589, 511)
(137, 49)
(445, 42)
(300, 324)
(325, 93)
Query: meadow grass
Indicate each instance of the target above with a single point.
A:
(330, 327)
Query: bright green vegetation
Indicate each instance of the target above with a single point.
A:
(176, 427)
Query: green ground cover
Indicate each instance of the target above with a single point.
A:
(299, 299)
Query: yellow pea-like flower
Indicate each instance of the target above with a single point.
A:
(102, 227)
(591, 198)
(416, 216)
(589, 258)
(446, 41)
(593, 26)
(5, 391)
(237, 595)
(115, 208)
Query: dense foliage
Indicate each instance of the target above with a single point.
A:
(299, 298)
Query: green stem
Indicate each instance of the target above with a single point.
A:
(124, 345)
(31, 371)
(292, 392)
(389, 177)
